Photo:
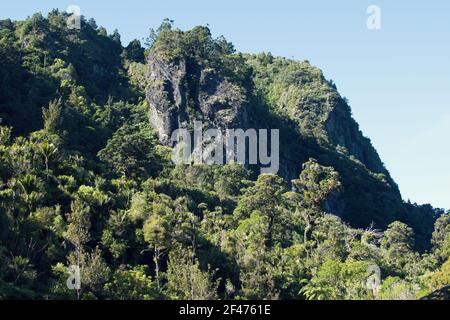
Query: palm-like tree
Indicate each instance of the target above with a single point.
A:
(47, 150)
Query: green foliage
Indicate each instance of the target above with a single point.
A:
(78, 225)
(316, 183)
(441, 278)
(84, 182)
(131, 152)
(441, 237)
(131, 284)
(186, 281)
(250, 241)
(394, 288)
(398, 241)
(337, 280)
(134, 51)
(52, 116)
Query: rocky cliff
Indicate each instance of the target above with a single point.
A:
(203, 79)
(182, 91)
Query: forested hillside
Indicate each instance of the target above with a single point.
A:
(86, 176)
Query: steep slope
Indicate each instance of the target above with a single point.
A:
(189, 76)
(300, 92)
(84, 180)
(42, 58)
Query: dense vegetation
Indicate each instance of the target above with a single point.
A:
(84, 181)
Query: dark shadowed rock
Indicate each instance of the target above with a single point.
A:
(441, 294)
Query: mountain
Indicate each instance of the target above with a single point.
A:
(190, 76)
(86, 177)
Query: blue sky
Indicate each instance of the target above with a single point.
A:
(397, 79)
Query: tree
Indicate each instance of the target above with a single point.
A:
(115, 36)
(20, 271)
(102, 32)
(134, 51)
(398, 242)
(157, 235)
(167, 226)
(312, 189)
(30, 191)
(441, 237)
(75, 138)
(230, 179)
(395, 288)
(213, 224)
(140, 208)
(91, 22)
(52, 116)
(118, 234)
(266, 198)
(131, 283)
(185, 279)
(334, 240)
(441, 278)
(5, 135)
(165, 26)
(248, 246)
(316, 183)
(337, 280)
(47, 150)
(94, 272)
(78, 234)
(131, 152)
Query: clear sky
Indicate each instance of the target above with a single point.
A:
(397, 79)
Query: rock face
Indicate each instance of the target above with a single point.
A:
(166, 95)
(294, 97)
(180, 93)
(221, 102)
(343, 131)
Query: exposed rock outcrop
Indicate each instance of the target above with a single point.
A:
(294, 97)
(166, 95)
(343, 131)
(179, 94)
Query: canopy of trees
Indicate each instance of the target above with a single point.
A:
(84, 181)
